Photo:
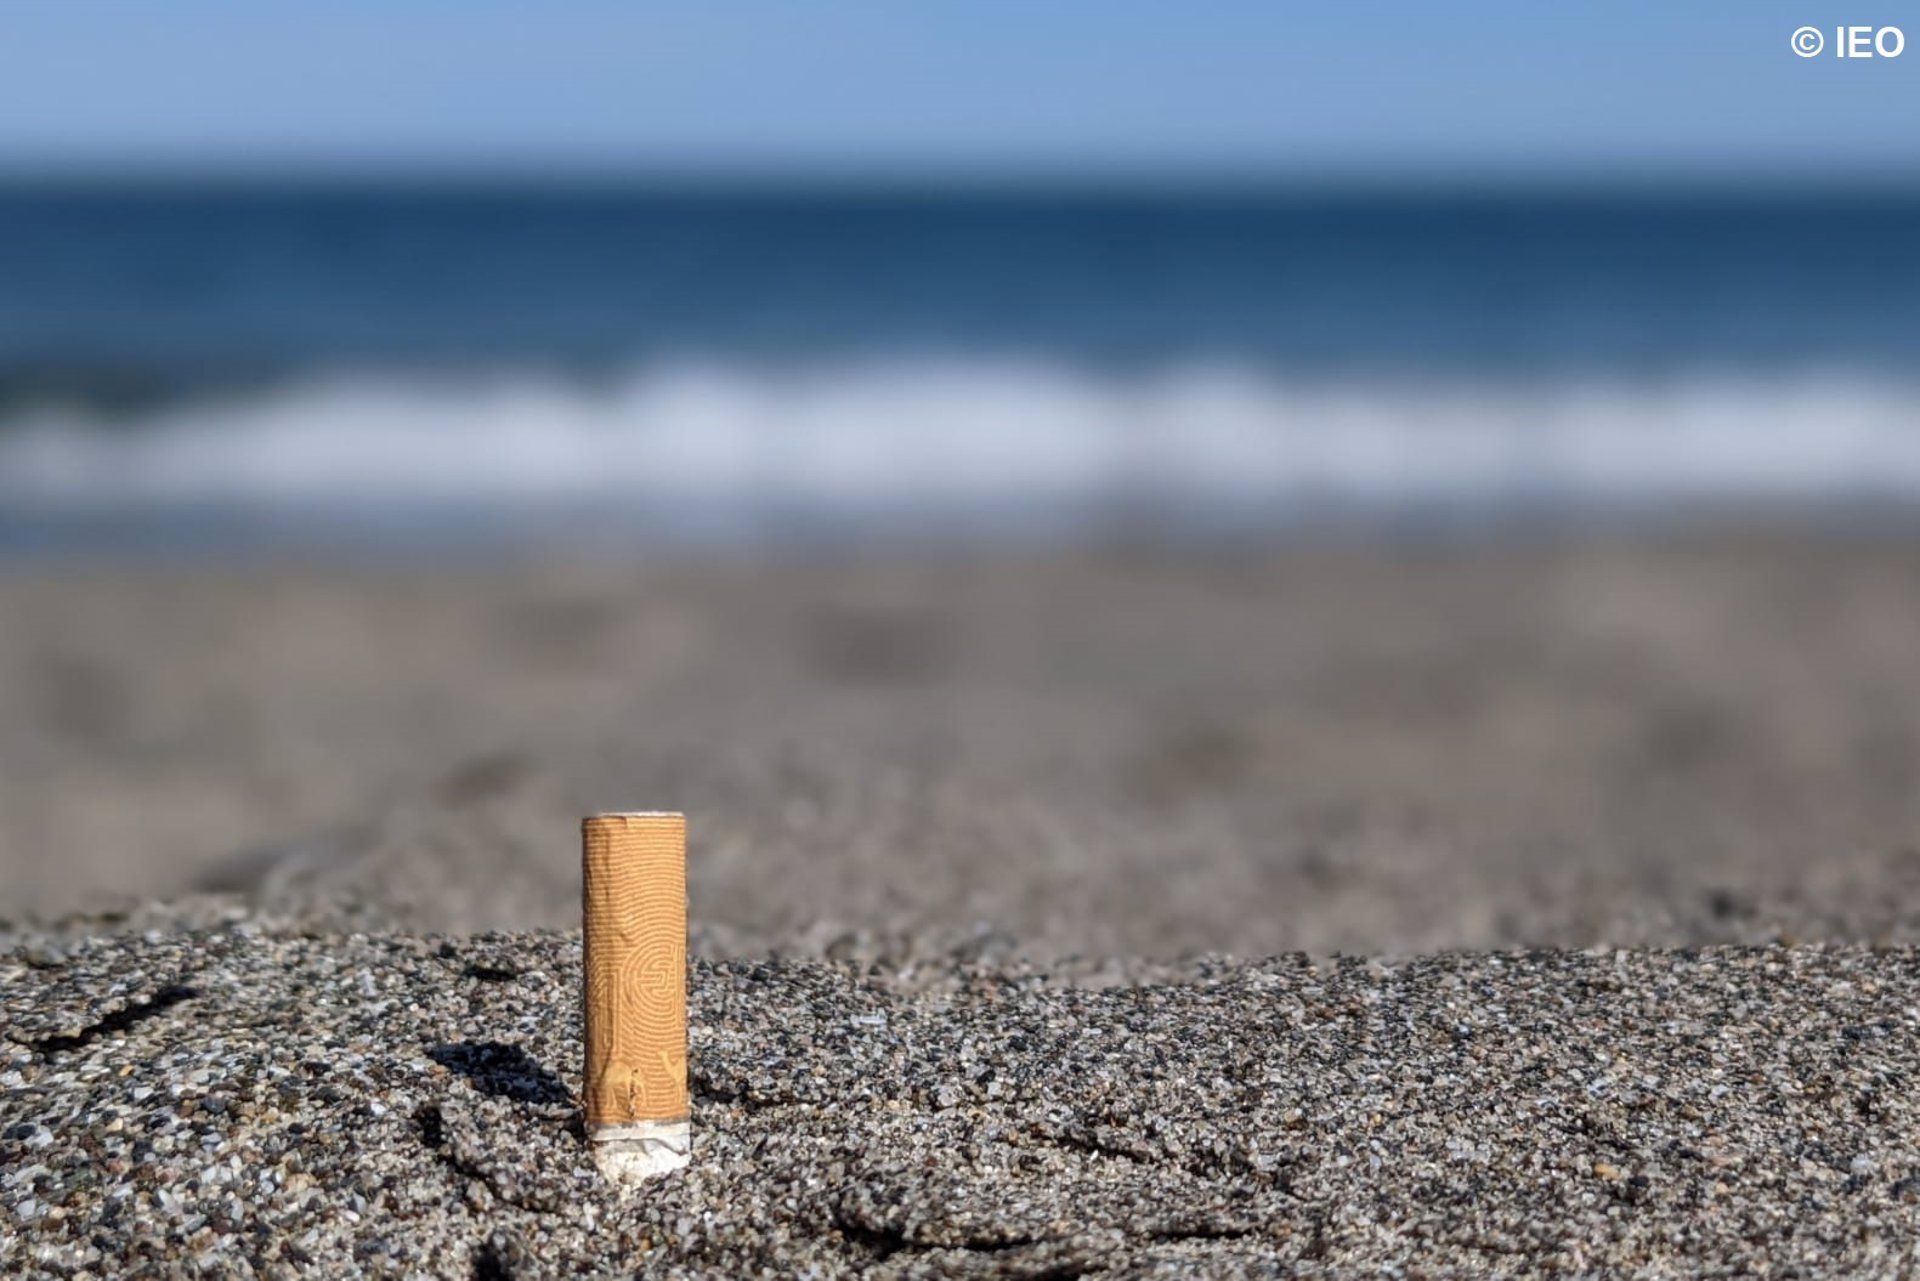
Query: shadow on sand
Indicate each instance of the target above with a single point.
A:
(497, 1068)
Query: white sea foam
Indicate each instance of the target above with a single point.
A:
(718, 446)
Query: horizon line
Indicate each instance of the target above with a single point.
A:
(746, 178)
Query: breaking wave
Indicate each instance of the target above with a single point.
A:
(715, 450)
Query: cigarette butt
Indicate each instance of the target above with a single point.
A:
(634, 953)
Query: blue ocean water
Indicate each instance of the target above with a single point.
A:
(312, 360)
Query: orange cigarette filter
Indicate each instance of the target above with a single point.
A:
(634, 953)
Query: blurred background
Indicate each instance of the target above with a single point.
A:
(1088, 479)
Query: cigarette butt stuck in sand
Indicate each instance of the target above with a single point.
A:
(634, 952)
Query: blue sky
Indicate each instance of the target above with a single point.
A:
(1388, 88)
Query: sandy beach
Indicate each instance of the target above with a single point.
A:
(1381, 750)
(1017, 886)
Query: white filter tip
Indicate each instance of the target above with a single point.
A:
(628, 1154)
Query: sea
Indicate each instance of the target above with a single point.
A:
(440, 365)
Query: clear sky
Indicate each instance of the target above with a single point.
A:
(1387, 88)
